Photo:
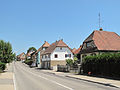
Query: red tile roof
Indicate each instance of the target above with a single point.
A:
(59, 43)
(77, 50)
(105, 40)
(46, 44)
(74, 49)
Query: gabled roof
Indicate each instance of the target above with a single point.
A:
(21, 54)
(74, 49)
(46, 44)
(51, 48)
(77, 50)
(105, 40)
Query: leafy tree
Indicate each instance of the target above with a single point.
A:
(31, 49)
(69, 62)
(6, 54)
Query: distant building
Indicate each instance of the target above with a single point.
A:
(56, 54)
(21, 57)
(76, 51)
(29, 54)
(73, 50)
(37, 55)
(100, 42)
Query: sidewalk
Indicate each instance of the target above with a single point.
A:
(103, 81)
(6, 79)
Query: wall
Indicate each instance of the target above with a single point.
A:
(61, 53)
(46, 58)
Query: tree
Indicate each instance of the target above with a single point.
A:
(69, 62)
(6, 54)
(31, 49)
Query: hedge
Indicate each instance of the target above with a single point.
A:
(28, 62)
(2, 66)
(107, 64)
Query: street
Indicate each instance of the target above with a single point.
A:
(32, 79)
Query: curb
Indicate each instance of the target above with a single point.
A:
(105, 84)
(101, 83)
(92, 81)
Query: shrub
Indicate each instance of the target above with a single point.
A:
(2, 66)
(69, 62)
(105, 64)
(28, 62)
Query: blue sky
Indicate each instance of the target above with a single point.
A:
(26, 23)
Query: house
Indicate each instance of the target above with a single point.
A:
(29, 54)
(21, 57)
(37, 55)
(73, 50)
(100, 41)
(56, 54)
(76, 51)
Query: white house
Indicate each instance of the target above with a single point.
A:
(56, 54)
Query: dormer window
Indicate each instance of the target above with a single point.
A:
(43, 49)
(88, 44)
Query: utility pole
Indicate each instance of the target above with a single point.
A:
(99, 20)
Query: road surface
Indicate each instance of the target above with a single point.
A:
(32, 79)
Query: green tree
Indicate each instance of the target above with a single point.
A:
(69, 62)
(31, 49)
(6, 54)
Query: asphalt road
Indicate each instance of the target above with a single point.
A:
(32, 79)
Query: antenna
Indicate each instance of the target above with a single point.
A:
(99, 20)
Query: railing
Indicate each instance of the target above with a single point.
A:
(62, 68)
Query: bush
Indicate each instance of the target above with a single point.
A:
(107, 64)
(2, 66)
(69, 62)
(28, 62)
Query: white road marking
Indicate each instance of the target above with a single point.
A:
(14, 80)
(48, 79)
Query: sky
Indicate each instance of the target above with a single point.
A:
(27, 23)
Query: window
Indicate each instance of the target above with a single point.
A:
(88, 44)
(49, 56)
(56, 56)
(67, 55)
(60, 48)
(45, 56)
(43, 48)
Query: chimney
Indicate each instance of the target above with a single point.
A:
(61, 39)
(100, 29)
